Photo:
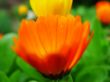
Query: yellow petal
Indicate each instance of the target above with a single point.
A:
(49, 7)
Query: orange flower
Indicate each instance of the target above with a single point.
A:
(1, 36)
(53, 44)
(103, 11)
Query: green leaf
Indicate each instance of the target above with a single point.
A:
(18, 76)
(3, 77)
(93, 56)
(34, 74)
(7, 56)
(5, 21)
(93, 74)
(81, 10)
(67, 78)
(33, 81)
(94, 53)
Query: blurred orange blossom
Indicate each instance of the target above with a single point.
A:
(1, 35)
(53, 44)
(22, 9)
(103, 11)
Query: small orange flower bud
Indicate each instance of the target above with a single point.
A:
(22, 9)
(1, 36)
(103, 11)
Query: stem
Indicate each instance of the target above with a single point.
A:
(55, 81)
(65, 79)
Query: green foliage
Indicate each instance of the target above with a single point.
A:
(92, 74)
(5, 22)
(67, 78)
(93, 66)
(7, 56)
(3, 2)
(14, 11)
(18, 76)
(3, 77)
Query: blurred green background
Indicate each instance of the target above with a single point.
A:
(94, 66)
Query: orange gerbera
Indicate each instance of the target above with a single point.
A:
(103, 11)
(53, 44)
